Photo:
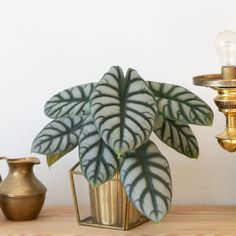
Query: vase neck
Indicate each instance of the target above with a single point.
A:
(22, 166)
(21, 169)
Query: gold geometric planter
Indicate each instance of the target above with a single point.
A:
(109, 205)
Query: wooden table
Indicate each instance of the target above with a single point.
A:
(182, 220)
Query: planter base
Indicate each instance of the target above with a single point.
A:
(109, 206)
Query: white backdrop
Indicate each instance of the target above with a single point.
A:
(49, 45)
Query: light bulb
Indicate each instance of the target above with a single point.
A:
(225, 44)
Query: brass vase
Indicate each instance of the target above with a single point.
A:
(21, 194)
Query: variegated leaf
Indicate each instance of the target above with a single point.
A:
(178, 103)
(59, 137)
(146, 178)
(177, 135)
(98, 161)
(123, 109)
(70, 102)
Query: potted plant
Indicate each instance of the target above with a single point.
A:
(111, 121)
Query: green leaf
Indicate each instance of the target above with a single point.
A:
(99, 162)
(178, 103)
(70, 102)
(123, 109)
(177, 135)
(146, 178)
(58, 138)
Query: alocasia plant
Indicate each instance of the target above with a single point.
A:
(111, 121)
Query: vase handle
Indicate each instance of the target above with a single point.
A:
(2, 158)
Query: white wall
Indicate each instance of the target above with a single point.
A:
(47, 46)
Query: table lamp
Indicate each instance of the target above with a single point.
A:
(225, 85)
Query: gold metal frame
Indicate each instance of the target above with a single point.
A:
(109, 206)
(225, 84)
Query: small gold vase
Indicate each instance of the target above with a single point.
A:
(21, 194)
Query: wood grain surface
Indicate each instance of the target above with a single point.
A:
(182, 220)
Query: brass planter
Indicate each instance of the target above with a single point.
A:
(109, 205)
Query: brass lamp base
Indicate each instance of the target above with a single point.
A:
(225, 84)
